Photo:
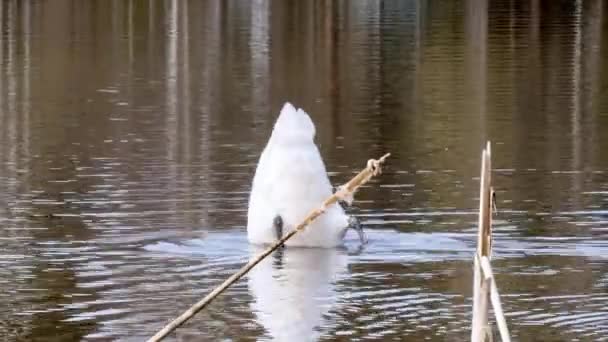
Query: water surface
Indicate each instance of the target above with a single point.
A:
(130, 131)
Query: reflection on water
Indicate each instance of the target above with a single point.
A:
(294, 289)
(129, 133)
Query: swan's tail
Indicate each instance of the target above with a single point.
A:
(293, 125)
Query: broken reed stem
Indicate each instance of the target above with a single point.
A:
(373, 168)
(484, 239)
(495, 299)
(484, 248)
(484, 284)
(480, 304)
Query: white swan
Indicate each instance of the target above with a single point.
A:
(289, 182)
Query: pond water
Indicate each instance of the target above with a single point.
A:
(130, 131)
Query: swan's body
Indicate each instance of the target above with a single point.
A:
(290, 181)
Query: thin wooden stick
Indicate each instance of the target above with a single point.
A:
(495, 298)
(484, 238)
(480, 304)
(484, 284)
(485, 267)
(484, 241)
(373, 168)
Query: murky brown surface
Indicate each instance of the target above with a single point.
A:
(130, 130)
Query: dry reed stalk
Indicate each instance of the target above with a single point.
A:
(484, 248)
(484, 284)
(495, 298)
(345, 192)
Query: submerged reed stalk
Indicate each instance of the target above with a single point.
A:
(346, 192)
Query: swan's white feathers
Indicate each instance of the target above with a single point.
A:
(291, 180)
(292, 127)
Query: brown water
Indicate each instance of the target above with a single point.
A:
(130, 130)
